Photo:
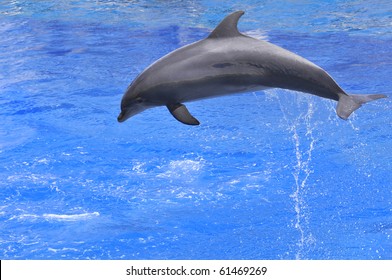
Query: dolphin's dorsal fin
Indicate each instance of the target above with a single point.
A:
(227, 27)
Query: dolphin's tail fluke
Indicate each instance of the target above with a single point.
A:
(349, 103)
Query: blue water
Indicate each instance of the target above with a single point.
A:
(267, 175)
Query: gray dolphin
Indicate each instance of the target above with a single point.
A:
(228, 62)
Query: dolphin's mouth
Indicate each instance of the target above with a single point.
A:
(121, 117)
(129, 112)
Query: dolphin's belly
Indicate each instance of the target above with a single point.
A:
(217, 86)
(204, 87)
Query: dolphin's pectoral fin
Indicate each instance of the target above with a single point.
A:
(181, 113)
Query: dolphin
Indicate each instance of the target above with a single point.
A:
(229, 62)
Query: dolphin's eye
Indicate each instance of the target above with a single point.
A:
(139, 100)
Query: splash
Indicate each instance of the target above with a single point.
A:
(185, 169)
(304, 144)
(301, 173)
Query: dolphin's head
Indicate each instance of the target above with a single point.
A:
(129, 108)
(132, 103)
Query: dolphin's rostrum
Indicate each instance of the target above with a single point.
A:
(228, 62)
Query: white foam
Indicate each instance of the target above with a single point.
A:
(74, 217)
(139, 168)
(258, 34)
(186, 165)
(53, 250)
(185, 168)
(24, 216)
(57, 217)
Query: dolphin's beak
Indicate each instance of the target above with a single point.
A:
(121, 117)
(128, 112)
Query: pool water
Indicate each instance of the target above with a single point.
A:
(267, 175)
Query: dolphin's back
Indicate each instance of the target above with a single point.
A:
(237, 64)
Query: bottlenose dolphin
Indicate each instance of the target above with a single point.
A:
(228, 62)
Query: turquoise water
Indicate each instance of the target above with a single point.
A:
(267, 175)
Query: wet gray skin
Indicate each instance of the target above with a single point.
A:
(228, 62)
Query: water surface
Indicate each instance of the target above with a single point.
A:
(267, 175)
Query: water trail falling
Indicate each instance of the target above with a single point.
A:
(303, 147)
(301, 174)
